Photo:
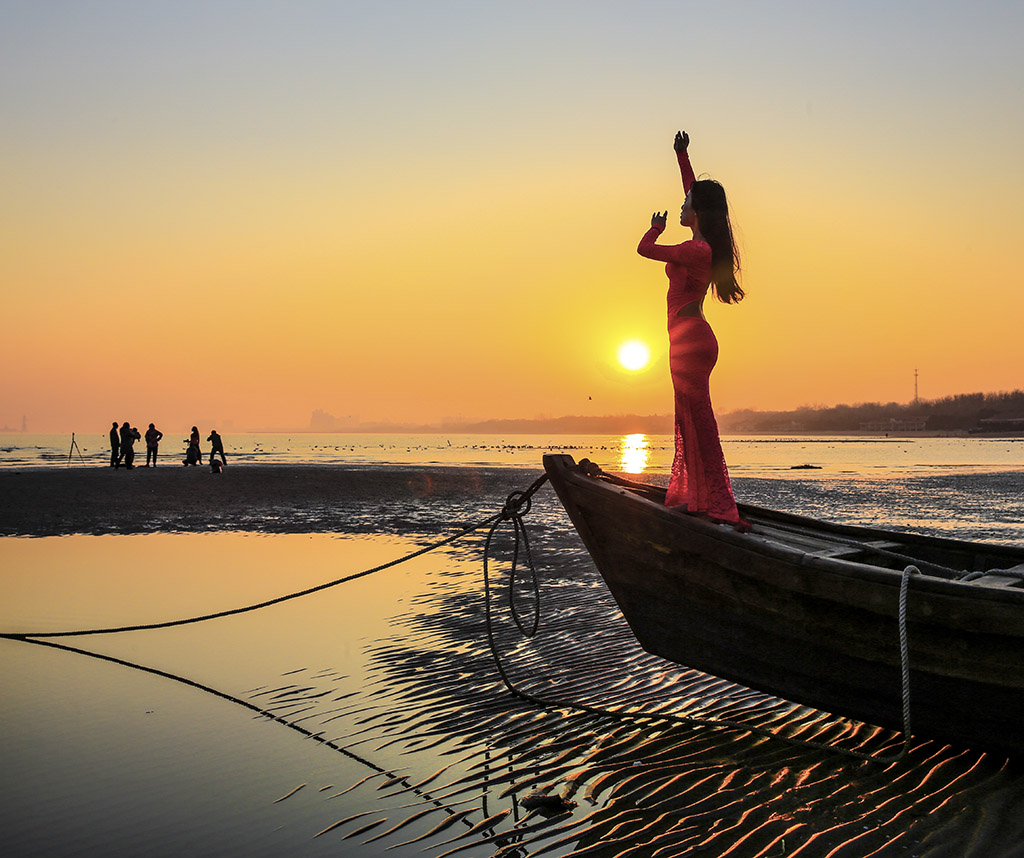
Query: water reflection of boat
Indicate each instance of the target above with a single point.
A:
(808, 610)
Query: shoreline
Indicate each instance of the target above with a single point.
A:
(861, 434)
(416, 500)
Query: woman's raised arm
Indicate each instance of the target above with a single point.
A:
(681, 144)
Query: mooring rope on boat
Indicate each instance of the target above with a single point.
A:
(1015, 572)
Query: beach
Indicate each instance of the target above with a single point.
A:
(265, 497)
(900, 485)
(369, 718)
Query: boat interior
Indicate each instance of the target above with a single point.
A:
(935, 556)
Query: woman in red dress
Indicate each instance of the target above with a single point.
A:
(700, 481)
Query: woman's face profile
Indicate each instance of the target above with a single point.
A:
(687, 217)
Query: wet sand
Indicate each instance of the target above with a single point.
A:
(326, 498)
(266, 498)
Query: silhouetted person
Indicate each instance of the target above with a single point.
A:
(129, 435)
(115, 446)
(218, 446)
(194, 455)
(153, 436)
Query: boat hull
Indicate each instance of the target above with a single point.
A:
(813, 629)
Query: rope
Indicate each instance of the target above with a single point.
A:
(905, 653)
(245, 609)
(512, 512)
(516, 506)
(1009, 573)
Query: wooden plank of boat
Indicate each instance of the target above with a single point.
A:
(807, 610)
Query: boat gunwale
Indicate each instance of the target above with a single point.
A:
(853, 569)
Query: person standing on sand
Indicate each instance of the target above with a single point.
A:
(194, 450)
(699, 484)
(129, 435)
(153, 436)
(218, 447)
(115, 446)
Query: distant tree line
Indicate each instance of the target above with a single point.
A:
(1001, 413)
(967, 412)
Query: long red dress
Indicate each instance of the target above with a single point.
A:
(700, 480)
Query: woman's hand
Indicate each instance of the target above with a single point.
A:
(659, 220)
(681, 142)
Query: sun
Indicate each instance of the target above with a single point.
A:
(634, 355)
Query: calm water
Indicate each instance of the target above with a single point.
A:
(636, 454)
(101, 759)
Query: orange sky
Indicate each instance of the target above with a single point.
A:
(413, 212)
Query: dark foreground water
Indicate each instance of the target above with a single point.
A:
(387, 730)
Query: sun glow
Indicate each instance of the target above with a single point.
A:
(634, 355)
(635, 453)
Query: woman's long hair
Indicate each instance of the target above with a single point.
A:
(709, 204)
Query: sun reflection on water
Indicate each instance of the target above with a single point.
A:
(635, 453)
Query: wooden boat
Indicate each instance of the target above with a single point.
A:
(808, 611)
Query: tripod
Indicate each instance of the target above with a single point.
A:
(74, 448)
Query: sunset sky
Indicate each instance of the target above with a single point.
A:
(426, 210)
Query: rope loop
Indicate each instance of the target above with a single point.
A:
(517, 505)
